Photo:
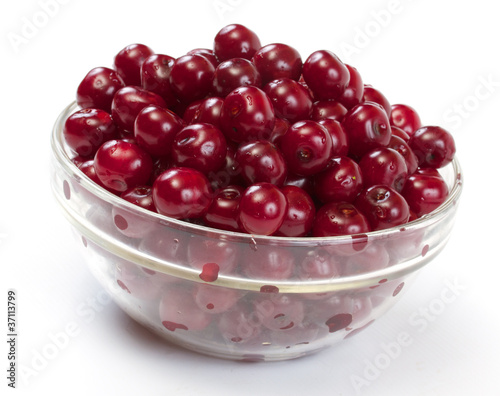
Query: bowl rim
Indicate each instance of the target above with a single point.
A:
(343, 282)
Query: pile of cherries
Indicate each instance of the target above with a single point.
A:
(250, 138)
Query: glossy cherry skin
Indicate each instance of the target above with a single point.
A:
(141, 196)
(328, 109)
(121, 165)
(208, 112)
(128, 102)
(98, 87)
(155, 129)
(306, 147)
(384, 166)
(200, 146)
(128, 61)
(402, 147)
(396, 131)
(339, 218)
(367, 127)
(371, 94)
(261, 161)
(405, 117)
(341, 181)
(207, 53)
(353, 94)
(325, 74)
(279, 130)
(290, 99)
(262, 209)
(88, 169)
(434, 146)
(191, 77)
(247, 114)
(155, 74)
(85, 130)
(278, 60)
(383, 206)
(234, 73)
(223, 211)
(340, 147)
(182, 193)
(425, 192)
(300, 213)
(235, 41)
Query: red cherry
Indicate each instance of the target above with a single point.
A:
(235, 41)
(234, 73)
(275, 61)
(300, 213)
(371, 94)
(406, 118)
(128, 62)
(384, 166)
(433, 146)
(223, 211)
(328, 109)
(353, 94)
(424, 192)
(191, 77)
(98, 88)
(339, 218)
(290, 99)
(155, 74)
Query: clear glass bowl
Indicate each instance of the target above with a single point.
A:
(204, 289)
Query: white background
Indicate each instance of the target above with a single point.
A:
(440, 57)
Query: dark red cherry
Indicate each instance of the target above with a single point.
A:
(353, 94)
(85, 130)
(182, 193)
(290, 99)
(275, 61)
(235, 41)
(262, 209)
(261, 161)
(384, 166)
(128, 102)
(121, 165)
(339, 218)
(400, 133)
(141, 196)
(371, 94)
(223, 211)
(325, 74)
(280, 128)
(406, 118)
(234, 73)
(402, 147)
(98, 88)
(340, 147)
(208, 112)
(383, 206)
(425, 192)
(367, 127)
(207, 53)
(200, 146)
(88, 170)
(155, 74)
(229, 174)
(155, 129)
(128, 62)
(247, 114)
(191, 77)
(434, 146)
(300, 213)
(341, 181)
(328, 109)
(306, 147)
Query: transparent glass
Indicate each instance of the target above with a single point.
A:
(204, 289)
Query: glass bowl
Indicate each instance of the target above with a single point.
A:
(241, 296)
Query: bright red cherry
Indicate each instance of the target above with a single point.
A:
(367, 127)
(247, 114)
(234, 73)
(182, 193)
(200, 146)
(141, 196)
(223, 211)
(371, 94)
(262, 209)
(85, 130)
(290, 99)
(98, 88)
(306, 147)
(191, 77)
(402, 147)
(383, 206)
(155, 129)
(128, 62)
(261, 161)
(341, 181)
(384, 166)
(353, 94)
(121, 165)
(207, 53)
(328, 109)
(235, 41)
(325, 74)
(339, 218)
(155, 74)
(433, 146)
(300, 213)
(425, 192)
(406, 118)
(275, 61)
(340, 147)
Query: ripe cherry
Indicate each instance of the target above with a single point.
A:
(406, 118)
(328, 109)
(290, 99)
(128, 62)
(98, 88)
(433, 146)
(371, 94)
(234, 73)
(191, 77)
(275, 61)
(223, 211)
(339, 218)
(235, 41)
(341, 181)
(262, 209)
(155, 74)
(353, 94)
(425, 192)
(340, 147)
(300, 213)
(384, 166)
